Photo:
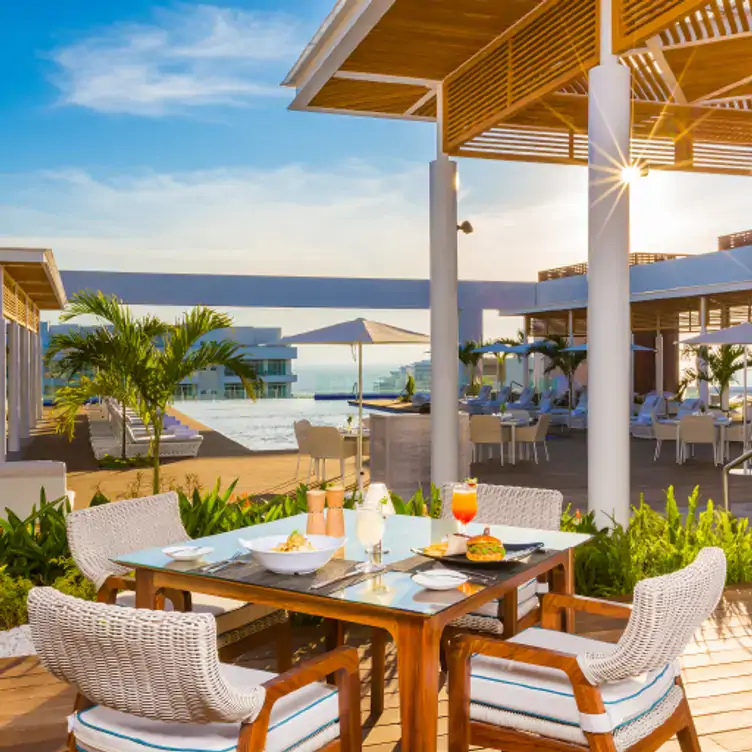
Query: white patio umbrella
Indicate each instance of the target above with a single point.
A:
(741, 334)
(358, 332)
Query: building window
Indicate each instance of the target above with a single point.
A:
(276, 367)
(276, 391)
(234, 391)
(185, 391)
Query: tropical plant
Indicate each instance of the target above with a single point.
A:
(409, 391)
(721, 365)
(559, 360)
(418, 505)
(501, 358)
(656, 543)
(470, 359)
(141, 361)
(13, 593)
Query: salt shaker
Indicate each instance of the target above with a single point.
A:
(316, 524)
(335, 519)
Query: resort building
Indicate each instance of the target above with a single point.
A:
(274, 366)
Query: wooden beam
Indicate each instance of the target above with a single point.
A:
(386, 79)
(422, 101)
(655, 48)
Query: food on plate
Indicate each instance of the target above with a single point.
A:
(485, 548)
(295, 542)
(457, 545)
(436, 549)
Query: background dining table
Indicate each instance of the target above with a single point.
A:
(392, 601)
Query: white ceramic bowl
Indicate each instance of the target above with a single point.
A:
(187, 553)
(293, 562)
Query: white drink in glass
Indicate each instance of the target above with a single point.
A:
(369, 527)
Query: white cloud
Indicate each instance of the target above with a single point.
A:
(192, 56)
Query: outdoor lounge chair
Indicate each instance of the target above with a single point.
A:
(475, 404)
(641, 425)
(99, 534)
(526, 400)
(545, 689)
(151, 680)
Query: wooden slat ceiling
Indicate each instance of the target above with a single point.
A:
(32, 279)
(430, 38)
(514, 76)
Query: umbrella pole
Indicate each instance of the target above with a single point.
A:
(360, 419)
(744, 408)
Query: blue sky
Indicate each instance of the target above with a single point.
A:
(154, 137)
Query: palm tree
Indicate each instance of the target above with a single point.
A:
(566, 362)
(470, 360)
(98, 363)
(721, 365)
(518, 339)
(141, 361)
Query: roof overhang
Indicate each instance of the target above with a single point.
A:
(512, 76)
(34, 271)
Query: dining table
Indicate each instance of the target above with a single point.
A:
(390, 600)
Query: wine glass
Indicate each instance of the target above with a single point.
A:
(369, 527)
(464, 504)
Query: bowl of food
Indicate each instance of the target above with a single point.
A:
(294, 553)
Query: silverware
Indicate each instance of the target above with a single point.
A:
(354, 572)
(218, 565)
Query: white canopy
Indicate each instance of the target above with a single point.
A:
(741, 334)
(357, 331)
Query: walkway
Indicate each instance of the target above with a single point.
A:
(717, 672)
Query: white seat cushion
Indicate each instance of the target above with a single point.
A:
(545, 694)
(485, 618)
(303, 721)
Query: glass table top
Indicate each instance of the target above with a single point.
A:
(392, 589)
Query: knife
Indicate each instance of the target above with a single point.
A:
(346, 576)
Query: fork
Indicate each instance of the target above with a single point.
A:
(217, 565)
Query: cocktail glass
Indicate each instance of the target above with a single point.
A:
(464, 504)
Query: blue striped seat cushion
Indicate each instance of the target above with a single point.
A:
(546, 693)
(303, 721)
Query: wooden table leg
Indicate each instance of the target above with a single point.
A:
(563, 582)
(146, 593)
(418, 643)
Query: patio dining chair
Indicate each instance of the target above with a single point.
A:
(99, 534)
(734, 434)
(531, 436)
(663, 432)
(326, 443)
(302, 430)
(545, 689)
(152, 680)
(485, 430)
(696, 430)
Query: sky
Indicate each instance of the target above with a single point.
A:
(155, 137)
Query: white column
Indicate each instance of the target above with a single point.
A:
(659, 363)
(570, 328)
(37, 370)
(609, 395)
(703, 387)
(3, 380)
(14, 388)
(444, 317)
(25, 359)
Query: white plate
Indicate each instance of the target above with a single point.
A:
(293, 562)
(433, 580)
(187, 553)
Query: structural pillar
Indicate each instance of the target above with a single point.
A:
(703, 387)
(25, 383)
(14, 388)
(444, 315)
(609, 395)
(36, 371)
(570, 328)
(659, 363)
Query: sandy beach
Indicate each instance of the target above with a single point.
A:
(219, 457)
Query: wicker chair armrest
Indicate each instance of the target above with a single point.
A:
(554, 603)
(345, 662)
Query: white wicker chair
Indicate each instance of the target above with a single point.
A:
(152, 680)
(522, 507)
(544, 688)
(99, 534)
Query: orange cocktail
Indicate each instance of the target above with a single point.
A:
(464, 503)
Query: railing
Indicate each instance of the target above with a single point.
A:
(576, 270)
(735, 240)
(740, 460)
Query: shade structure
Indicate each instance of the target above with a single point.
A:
(358, 332)
(741, 334)
(496, 347)
(584, 348)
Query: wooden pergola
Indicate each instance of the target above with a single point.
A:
(512, 75)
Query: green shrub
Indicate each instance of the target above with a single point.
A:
(656, 543)
(13, 593)
(32, 548)
(72, 582)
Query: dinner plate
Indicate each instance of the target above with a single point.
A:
(435, 580)
(187, 553)
(515, 552)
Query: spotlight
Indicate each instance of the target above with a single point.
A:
(465, 227)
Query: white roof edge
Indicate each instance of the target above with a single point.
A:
(337, 16)
(45, 258)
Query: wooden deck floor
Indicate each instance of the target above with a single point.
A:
(717, 669)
